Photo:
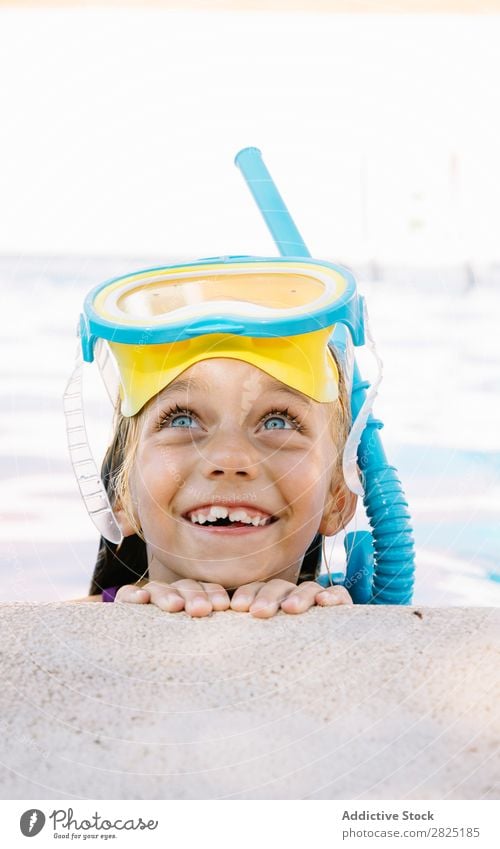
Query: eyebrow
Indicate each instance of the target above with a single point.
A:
(276, 386)
(183, 385)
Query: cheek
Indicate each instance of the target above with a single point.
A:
(158, 474)
(305, 478)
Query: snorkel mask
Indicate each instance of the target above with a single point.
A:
(146, 328)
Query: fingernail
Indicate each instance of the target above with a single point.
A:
(164, 602)
(241, 599)
(330, 599)
(260, 605)
(219, 599)
(196, 602)
(295, 599)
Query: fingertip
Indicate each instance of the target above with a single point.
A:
(221, 602)
(332, 597)
(241, 603)
(294, 598)
(198, 607)
(132, 596)
(140, 596)
(291, 604)
(325, 598)
(263, 610)
(171, 604)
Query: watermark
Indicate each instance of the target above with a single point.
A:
(32, 822)
(66, 826)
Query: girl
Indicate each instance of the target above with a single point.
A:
(224, 480)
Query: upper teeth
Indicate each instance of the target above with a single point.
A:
(236, 514)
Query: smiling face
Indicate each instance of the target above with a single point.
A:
(232, 476)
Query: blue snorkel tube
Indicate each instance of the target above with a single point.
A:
(380, 564)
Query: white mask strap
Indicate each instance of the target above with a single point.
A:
(88, 478)
(350, 458)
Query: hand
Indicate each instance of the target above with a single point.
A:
(265, 599)
(196, 598)
(260, 599)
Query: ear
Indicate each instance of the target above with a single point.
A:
(126, 526)
(339, 510)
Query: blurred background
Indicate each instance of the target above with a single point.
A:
(120, 122)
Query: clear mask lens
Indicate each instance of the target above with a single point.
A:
(162, 299)
(108, 369)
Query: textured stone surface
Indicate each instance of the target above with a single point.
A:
(115, 701)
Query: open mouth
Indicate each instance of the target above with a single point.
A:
(220, 516)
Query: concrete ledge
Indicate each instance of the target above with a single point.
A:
(121, 702)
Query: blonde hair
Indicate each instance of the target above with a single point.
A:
(120, 459)
(340, 418)
(121, 453)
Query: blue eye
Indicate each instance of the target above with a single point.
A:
(276, 423)
(281, 420)
(182, 421)
(178, 418)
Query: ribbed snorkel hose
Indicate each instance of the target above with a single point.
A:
(384, 499)
(388, 514)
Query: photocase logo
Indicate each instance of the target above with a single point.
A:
(32, 822)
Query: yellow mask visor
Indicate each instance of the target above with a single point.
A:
(302, 362)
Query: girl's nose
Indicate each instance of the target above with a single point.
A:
(229, 454)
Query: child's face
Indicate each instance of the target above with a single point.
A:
(225, 435)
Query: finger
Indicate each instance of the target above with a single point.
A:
(270, 597)
(132, 595)
(196, 600)
(165, 597)
(332, 596)
(218, 596)
(301, 598)
(245, 595)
